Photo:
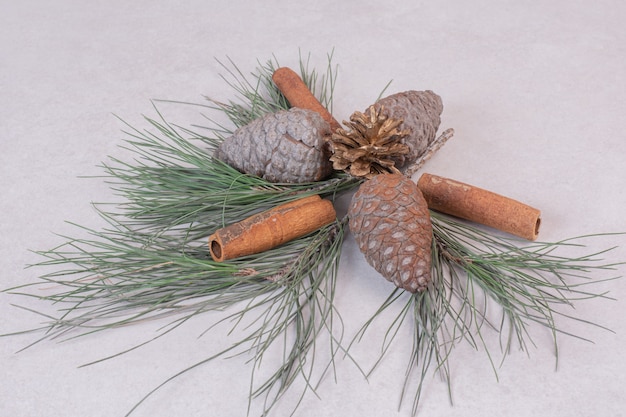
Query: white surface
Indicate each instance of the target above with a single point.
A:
(535, 92)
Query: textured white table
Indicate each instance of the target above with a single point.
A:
(534, 90)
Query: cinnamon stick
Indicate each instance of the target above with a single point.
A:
(298, 94)
(271, 228)
(480, 206)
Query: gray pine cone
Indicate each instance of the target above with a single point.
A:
(391, 224)
(286, 146)
(420, 112)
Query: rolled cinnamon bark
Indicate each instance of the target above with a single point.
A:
(298, 94)
(480, 206)
(271, 228)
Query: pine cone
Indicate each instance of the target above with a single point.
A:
(420, 112)
(390, 222)
(371, 145)
(286, 146)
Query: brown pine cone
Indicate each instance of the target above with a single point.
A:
(286, 146)
(420, 112)
(391, 223)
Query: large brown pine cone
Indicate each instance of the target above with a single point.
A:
(286, 146)
(391, 223)
(420, 112)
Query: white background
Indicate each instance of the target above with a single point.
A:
(534, 89)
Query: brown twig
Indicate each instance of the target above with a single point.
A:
(429, 152)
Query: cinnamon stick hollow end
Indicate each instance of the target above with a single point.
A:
(215, 247)
(271, 228)
(481, 206)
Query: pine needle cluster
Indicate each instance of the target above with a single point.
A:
(152, 260)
